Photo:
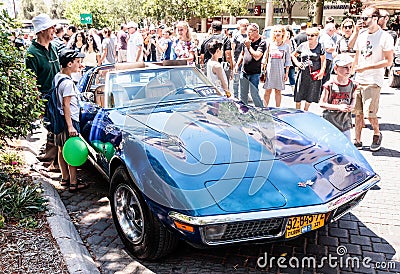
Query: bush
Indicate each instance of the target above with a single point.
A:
(19, 98)
(20, 197)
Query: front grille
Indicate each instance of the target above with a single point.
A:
(343, 209)
(253, 229)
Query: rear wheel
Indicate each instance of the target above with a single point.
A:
(140, 231)
(394, 80)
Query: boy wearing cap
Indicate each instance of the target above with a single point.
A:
(338, 95)
(68, 105)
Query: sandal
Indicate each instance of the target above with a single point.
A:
(78, 186)
(64, 182)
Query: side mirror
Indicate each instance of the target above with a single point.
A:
(87, 96)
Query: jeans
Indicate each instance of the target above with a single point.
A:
(291, 76)
(235, 84)
(250, 81)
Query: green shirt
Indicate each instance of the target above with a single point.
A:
(44, 63)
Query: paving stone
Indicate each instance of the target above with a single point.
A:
(328, 241)
(348, 224)
(338, 232)
(384, 248)
(354, 239)
(94, 239)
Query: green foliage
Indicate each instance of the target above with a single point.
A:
(57, 9)
(112, 13)
(19, 196)
(31, 8)
(19, 104)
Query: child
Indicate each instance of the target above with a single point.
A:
(68, 105)
(338, 95)
(215, 73)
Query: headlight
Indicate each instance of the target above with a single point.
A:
(214, 232)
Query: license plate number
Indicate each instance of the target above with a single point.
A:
(302, 224)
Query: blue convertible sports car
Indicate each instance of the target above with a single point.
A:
(186, 163)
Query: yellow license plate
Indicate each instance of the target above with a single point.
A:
(302, 224)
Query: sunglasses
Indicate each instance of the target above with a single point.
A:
(311, 35)
(348, 27)
(365, 18)
(180, 29)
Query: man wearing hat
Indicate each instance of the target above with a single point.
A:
(42, 56)
(42, 59)
(135, 44)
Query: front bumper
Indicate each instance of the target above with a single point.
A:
(270, 224)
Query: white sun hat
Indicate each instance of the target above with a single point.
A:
(42, 22)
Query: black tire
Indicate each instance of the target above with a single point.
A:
(141, 232)
(394, 80)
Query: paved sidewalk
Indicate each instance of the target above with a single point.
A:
(369, 232)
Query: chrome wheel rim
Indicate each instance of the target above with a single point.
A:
(129, 213)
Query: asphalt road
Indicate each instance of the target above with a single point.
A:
(368, 235)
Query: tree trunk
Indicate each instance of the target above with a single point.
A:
(319, 12)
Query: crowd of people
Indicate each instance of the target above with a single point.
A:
(319, 64)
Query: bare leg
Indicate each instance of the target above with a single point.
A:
(307, 106)
(72, 174)
(298, 105)
(358, 126)
(63, 165)
(267, 96)
(375, 125)
(278, 98)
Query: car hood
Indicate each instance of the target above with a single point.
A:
(220, 132)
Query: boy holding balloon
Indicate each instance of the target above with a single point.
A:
(68, 105)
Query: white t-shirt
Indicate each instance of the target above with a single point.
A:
(371, 48)
(65, 89)
(135, 40)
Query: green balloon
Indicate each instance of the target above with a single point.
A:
(109, 150)
(75, 151)
(98, 145)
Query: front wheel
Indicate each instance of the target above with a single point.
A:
(140, 231)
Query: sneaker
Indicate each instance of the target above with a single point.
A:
(358, 145)
(376, 142)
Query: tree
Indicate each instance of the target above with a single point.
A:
(31, 8)
(288, 6)
(19, 104)
(57, 9)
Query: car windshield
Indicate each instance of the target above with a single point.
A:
(152, 85)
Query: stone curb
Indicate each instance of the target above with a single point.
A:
(75, 253)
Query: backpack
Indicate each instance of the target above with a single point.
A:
(55, 121)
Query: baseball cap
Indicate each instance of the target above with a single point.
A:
(162, 26)
(68, 55)
(42, 22)
(132, 25)
(342, 60)
(303, 25)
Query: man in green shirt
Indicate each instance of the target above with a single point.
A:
(42, 59)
